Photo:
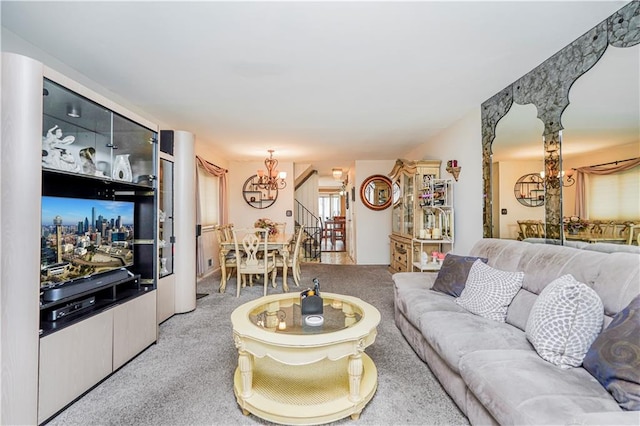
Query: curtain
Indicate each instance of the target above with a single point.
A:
(602, 169)
(221, 173)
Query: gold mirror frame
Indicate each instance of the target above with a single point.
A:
(375, 192)
(547, 87)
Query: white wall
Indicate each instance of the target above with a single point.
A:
(463, 142)
(510, 172)
(371, 228)
(307, 195)
(242, 214)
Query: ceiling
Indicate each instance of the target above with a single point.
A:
(325, 83)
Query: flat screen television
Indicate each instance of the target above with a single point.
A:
(83, 237)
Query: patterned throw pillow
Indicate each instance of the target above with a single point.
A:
(488, 291)
(453, 274)
(564, 320)
(614, 357)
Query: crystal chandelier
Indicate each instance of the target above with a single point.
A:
(272, 178)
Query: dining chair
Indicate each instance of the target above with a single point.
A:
(633, 233)
(227, 260)
(339, 231)
(531, 229)
(253, 257)
(292, 261)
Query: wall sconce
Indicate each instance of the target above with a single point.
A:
(568, 174)
(453, 168)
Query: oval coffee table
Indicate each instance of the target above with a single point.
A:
(292, 373)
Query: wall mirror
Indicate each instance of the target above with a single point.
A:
(578, 123)
(516, 151)
(375, 192)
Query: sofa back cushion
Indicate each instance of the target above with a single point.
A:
(615, 276)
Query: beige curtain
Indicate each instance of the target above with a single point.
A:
(603, 169)
(221, 173)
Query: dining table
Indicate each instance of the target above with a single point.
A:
(280, 243)
(594, 238)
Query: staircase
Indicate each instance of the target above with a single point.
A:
(310, 245)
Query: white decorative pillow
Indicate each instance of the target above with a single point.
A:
(488, 291)
(564, 321)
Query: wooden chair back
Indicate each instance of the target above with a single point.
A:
(253, 244)
(531, 229)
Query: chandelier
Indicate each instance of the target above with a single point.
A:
(561, 177)
(271, 179)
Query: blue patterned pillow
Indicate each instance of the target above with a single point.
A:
(453, 274)
(614, 357)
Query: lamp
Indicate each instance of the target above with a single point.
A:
(73, 112)
(337, 174)
(272, 178)
(569, 174)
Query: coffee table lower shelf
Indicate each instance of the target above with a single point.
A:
(305, 394)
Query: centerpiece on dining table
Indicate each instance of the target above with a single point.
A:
(574, 224)
(267, 224)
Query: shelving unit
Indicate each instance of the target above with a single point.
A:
(166, 229)
(435, 222)
(529, 190)
(409, 178)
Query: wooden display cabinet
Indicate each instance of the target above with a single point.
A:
(407, 177)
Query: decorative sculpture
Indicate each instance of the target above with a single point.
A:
(54, 153)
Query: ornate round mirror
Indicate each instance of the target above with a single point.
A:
(375, 192)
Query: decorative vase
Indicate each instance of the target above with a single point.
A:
(122, 168)
(163, 266)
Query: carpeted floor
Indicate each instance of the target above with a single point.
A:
(187, 377)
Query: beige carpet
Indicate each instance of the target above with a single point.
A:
(187, 377)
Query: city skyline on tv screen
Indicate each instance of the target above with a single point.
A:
(74, 210)
(82, 237)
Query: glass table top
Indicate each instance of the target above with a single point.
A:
(285, 316)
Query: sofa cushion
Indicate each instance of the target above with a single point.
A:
(564, 321)
(414, 303)
(519, 387)
(614, 357)
(454, 334)
(453, 274)
(488, 291)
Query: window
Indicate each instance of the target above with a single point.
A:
(208, 192)
(616, 196)
(329, 206)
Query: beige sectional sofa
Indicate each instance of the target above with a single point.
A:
(490, 368)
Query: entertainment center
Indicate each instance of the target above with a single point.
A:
(98, 254)
(79, 239)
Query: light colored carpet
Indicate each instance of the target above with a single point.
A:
(187, 377)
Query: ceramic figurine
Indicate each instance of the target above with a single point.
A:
(122, 168)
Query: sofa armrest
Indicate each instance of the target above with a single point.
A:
(622, 418)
